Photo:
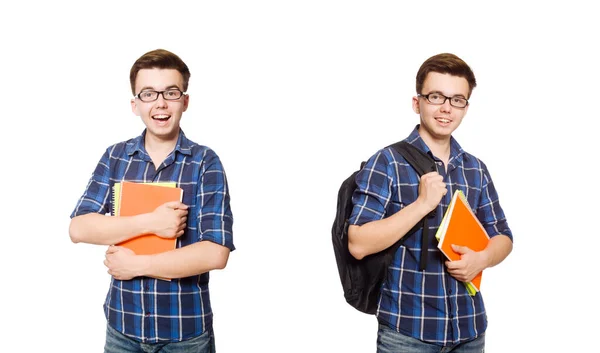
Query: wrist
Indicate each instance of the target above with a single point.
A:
(144, 223)
(487, 258)
(143, 265)
(421, 208)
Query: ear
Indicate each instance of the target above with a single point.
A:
(415, 105)
(134, 107)
(186, 101)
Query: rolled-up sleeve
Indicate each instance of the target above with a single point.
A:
(373, 192)
(489, 212)
(215, 218)
(96, 198)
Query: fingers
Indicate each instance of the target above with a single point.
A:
(433, 178)
(171, 219)
(182, 221)
(431, 189)
(432, 175)
(460, 249)
(459, 273)
(179, 208)
(109, 271)
(181, 213)
(176, 205)
(456, 248)
(182, 227)
(452, 265)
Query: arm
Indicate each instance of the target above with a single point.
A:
(210, 247)
(378, 235)
(491, 216)
(497, 250)
(472, 262)
(95, 228)
(188, 261)
(371, 199)
(167, 221)
(89, 223)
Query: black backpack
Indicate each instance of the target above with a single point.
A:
(362, 279)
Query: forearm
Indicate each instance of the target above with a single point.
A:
(95, 228)
(188, 261)
(499, 247)
(378, 235)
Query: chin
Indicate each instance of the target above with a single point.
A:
(163, 134)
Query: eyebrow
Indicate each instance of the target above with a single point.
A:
(442, 93)
(153, 89)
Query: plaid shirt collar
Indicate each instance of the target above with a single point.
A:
(183, 145)
(456, 151)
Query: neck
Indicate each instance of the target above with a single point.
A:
(151, 141)
(440, 147)
(159, 148)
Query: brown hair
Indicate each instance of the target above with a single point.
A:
(446, 63)
(159, 59)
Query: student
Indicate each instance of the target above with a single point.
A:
(142, 311)
(431, 310)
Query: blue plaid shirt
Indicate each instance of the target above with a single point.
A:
(146, 309)
(429, 305)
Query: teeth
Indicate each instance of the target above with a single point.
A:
(160, 116)
(443, 120)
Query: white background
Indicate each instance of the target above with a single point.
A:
(292, 95)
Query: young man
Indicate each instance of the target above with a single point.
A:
(431, 310)
(142, 311)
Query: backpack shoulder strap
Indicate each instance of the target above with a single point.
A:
(422, 163)
(419, 160)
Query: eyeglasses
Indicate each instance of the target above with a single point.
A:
(150, 96)
(439, 99)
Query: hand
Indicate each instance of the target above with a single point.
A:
(470, 263)
(170, 219)
(431, 190)
(122, 263)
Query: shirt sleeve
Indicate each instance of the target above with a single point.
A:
(373, 192)
(96, 198)
(489, 212)
(215, 219)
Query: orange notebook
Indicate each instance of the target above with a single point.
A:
(461, 227)
(132, 199)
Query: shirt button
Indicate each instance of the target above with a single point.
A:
(449, 291)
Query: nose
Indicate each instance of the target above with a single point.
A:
(161, 101)
(446, 107)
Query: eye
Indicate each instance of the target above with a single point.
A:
(459, 101)
(147, 94)
(436, 98)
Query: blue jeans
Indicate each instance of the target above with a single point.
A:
(391, 341)
(116, 342)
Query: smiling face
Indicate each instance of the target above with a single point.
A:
(439, 121)
(161, 116)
